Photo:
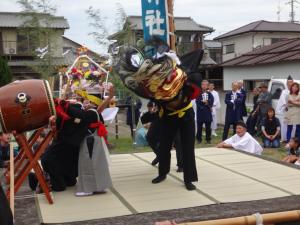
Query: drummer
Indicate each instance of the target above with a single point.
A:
(60, 160)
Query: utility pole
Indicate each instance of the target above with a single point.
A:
(293, 6)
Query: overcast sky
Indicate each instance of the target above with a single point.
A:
(222, 15)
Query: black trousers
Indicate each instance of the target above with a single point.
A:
(179, 148)
(207, 131)
(60, 161)
(5, 212)
(226, 130)
(170, 125)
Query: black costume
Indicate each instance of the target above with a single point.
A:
(6, 217)
(154, 134)
(60, 160)
(152, 74)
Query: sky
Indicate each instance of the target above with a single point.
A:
(222, 15)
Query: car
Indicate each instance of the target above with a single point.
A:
(275, 87)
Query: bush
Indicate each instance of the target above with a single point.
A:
(5, 73)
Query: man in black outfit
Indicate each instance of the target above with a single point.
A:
(170, 125)
(60, 160)
(154, 132)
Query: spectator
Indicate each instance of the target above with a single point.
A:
(242, 141)
(264, 102)
(216, 106)
(137, 105)
(244, 93)
(234, 102)
(252, 119)
(204, 112)
(271, 130)
(5, 149)
(293, 151)
(293, 111)
(151, 119)
(281, 108)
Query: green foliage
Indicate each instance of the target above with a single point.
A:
(36, 29)
(5, 73)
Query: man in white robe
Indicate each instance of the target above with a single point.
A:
(216, 106)
(242, 141)
(281, 108)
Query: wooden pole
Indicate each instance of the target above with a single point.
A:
(171, 25)
(12, 179)
(270, 218)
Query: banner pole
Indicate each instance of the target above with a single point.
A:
(171, 25)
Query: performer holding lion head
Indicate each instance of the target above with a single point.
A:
(154, 72)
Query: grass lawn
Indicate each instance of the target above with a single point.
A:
(124, 145)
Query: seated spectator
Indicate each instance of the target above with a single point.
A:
(293, 151)
(271, 130)
(242, 141)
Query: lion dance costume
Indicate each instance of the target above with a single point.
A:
(156, 73)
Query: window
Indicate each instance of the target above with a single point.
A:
(229, 49)
(276, 90)
(274, 40)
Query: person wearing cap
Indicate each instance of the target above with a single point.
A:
(281, 107)
(264, 102)
(242, 141)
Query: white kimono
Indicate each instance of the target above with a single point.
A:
(216, 106)
(246, 143)
(195, 110)
(281, 110)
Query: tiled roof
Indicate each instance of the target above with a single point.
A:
(181, 24)
(262, 26)
(18, 19)
(282, 51)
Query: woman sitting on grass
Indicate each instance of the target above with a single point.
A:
(293, 151)
(271, 130)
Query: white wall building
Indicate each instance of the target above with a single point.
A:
(256, 35)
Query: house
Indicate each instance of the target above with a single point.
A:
(19, 49)
(278, 60)
(70, 51)
(190, 34)
(256, 35)
(214, 50)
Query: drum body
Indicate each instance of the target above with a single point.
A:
(25, 105)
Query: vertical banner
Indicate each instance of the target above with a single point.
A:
(155, 19)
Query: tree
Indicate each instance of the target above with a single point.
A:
(101, 35)
(38, 16)
(5, 73)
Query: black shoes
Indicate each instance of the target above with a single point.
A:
(33, 181)
(155, 161)
(189, 186)
(158, 179)
(179, 170)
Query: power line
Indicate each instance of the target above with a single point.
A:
(293, 6)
